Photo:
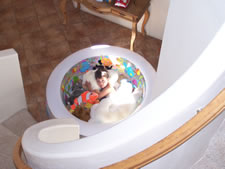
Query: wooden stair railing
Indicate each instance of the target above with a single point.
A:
(19, 163)
(175, 139)
(161, 148)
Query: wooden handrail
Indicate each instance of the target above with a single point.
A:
(175, 139)
(166, 145)
(17, 156)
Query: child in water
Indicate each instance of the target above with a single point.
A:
(102, 78)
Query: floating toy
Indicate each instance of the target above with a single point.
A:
(84, 98)
(77, 90)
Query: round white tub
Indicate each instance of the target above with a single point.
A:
(56, 98)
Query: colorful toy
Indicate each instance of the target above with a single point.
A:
(75, 92)
(138, 72)
(122, 3)
(108, 1)
(135, 83)
(128, 70)
(84, 66)
(106, 61)
(84, 98)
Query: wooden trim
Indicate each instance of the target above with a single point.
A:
(146, 16)
(99, 9)
(122, 15)
(161, 148)
(175, 139)
(63, 10)
(133, 35)
(17, 156)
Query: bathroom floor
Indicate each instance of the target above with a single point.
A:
(34, 29)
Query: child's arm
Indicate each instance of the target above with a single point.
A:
(107, 90)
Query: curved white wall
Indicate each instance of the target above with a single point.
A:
(158, 16)
(191, 26)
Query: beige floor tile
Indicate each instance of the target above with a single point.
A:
(6, 162)
(7, 141)
(19, 122)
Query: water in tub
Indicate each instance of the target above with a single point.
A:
(118, 105)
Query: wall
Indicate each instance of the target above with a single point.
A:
(190, 27)
(12, 98)
(158, 15)
(156, 23)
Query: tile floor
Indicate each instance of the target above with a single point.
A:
(34, 29)
(10, 133)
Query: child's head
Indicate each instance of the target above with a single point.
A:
(101, 76)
